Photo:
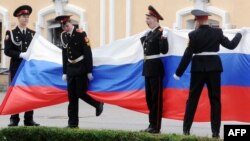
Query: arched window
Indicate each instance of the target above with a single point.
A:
(55, 30)
(219, 18)
(190, 23)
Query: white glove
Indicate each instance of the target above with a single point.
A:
(176, 77)
(64, 77)
(164, 33)
(90, 76)
(24, 55)
(243, 30)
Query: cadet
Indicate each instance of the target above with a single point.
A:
(206, 68)
(154, 42)
(77, 68)
(16, 44)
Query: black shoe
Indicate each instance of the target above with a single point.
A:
(72, 126)
(186, 132)
(30, 123)
(13, 123)
(146, 130)
(99, 109)
(153, 131)
(216, 135)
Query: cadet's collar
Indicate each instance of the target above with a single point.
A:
(21, 29)
(204, 26)
(154, 28)
(70, 32)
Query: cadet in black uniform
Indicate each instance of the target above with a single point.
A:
(154, 42)
(77, 68)
(206, 68)
(16, 44)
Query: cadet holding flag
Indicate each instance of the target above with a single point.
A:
(206, 68)
(154, 43)
(16, 44)
(77, 68)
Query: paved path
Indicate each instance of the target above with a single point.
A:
(113, 117)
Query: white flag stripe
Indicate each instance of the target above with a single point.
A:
(42, 49)
(128, 50)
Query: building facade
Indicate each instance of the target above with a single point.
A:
(108, 20)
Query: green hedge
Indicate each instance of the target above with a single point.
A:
(66, 134)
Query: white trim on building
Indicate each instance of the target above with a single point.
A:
(128, 17)
(5, 26)
(40, 17)
(67, 8)
(111, 21)
(102, 23)
(213, 10)
(223, 14)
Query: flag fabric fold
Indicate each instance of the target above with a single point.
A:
(118, 80)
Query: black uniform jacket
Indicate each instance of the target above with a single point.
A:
(205, 39)
(74, 47)
(15, 43)
(154, 44)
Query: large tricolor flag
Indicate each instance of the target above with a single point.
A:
(117, 79)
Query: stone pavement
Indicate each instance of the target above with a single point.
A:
(113, 117)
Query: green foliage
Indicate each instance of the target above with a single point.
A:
(66, 134)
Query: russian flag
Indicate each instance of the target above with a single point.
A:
(118, 80)
(37, 82)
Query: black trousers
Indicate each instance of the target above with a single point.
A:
(77, 88)
(213, 83)
(28, 116)
(154, 86)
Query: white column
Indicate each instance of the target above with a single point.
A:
(5, 26)
(40, 17)
(111, 21)
(3, 56)
(102, 23)
(128, 18)
(39, 24)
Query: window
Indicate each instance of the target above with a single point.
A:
(211, 22)
(54, 32)
(56, 36)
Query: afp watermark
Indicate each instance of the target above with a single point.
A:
(239, 132)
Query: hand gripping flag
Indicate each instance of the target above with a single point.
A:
(118, 80)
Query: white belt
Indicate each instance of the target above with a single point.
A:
(152, 57)
(76, 60)
(207, 53)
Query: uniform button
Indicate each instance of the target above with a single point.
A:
(25, 42)
(71, 57)
(70, 52)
